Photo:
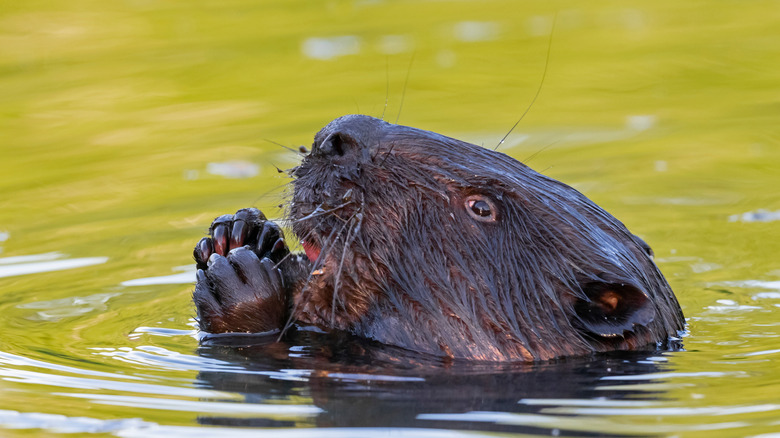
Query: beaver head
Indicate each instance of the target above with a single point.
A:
(436, 245)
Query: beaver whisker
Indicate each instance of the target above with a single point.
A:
(298, 152)
(406, 82)
(527, 159)
(341, 219)
(283, 259)
(326, 247)
(387, 154)
(387, 87)
(541, 83)
(377, 151)
(265, 194)
(337, 279)
(319, 212)
(304, 237)
(303, 294)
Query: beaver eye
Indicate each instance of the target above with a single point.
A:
(481, 208)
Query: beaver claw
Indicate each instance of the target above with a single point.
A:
(239, 285)
(248, 227)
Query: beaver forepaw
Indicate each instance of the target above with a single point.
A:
(240, 287)
(240, 293)
(248, 227)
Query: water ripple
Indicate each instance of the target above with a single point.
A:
(38, 263)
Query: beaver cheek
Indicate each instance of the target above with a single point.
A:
(612, 309)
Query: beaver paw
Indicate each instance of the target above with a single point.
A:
(248, 227)
(239, 285)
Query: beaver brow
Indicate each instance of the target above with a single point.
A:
(482, 186)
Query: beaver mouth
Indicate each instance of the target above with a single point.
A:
(310, 226)
(321, 223)
(311, 249)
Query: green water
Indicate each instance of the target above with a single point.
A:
(666, 113)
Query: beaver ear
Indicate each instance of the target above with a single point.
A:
(613, 308)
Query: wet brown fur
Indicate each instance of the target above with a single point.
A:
(405, 263)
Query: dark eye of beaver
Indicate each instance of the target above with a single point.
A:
(481, 208)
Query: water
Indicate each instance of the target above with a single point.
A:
(127, 126)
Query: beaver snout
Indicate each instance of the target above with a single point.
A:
(352, 134)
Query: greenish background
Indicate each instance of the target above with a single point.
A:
(666, 113)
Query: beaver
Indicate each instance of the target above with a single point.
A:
(434, 245)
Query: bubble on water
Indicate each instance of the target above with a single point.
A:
(55, 310)
(475, 31)
(538, 25)
(394, 44)
(234, 169)
(633, 19)
(698, 268)
(760, 215)
(328, 48)
(445, 58)
(191, 174)
(640, 122)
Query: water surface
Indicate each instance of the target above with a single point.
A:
(128, 126)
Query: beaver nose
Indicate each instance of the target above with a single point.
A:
(335, 144)
(348, 134)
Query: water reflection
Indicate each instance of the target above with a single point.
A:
(63, 424)
(329, 48)
(185, 276)
(112, 112)
(760, 215)
(56, 310)
(38, 263)
(359, 387)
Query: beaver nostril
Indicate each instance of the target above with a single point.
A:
(332, 145)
